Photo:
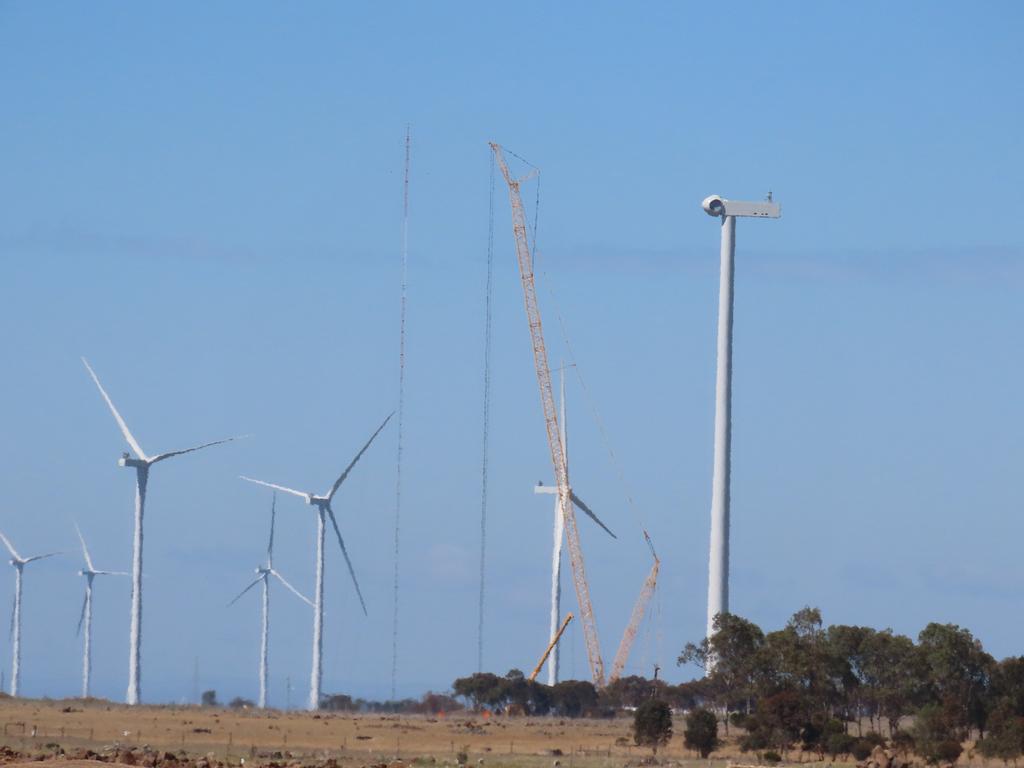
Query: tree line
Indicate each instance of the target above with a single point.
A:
(816, 686)
(833, 690)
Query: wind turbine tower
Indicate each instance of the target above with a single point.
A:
(141, 463)
(19, 564)
(559, 537)
(324, 511)
(263, 574)
(90, 573)
(718, 567)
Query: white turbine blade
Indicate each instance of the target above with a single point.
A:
(117, 416)
(81, 618)
(85, 549)
(10, 547)
(169, 454)
(341, 479)
(348, 562)
(111, 573)
(292, 491)
(284, 581)
(239, 595)
(42, 557)
(270, 546)
(590, 513)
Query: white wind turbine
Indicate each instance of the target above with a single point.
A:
(324, 511)
(559, 537)
(90, 573)
(19, 564)
(141, 464)
(263, 575)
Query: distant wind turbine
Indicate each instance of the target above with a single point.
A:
(90, 573)
(19, 564)
(263, 575)
(324, 511)
(141, 463)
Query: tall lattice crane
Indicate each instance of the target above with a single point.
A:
(622, 655)
(547, 399)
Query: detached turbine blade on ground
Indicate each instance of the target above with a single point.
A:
(284, 581)
(590, 513)
(169, 454)
(348, 562)
(341, 478)
(117, 416)
(292, 491)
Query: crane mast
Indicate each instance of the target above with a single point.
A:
(547, 399)
(626, 645)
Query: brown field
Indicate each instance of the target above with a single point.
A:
(31, 725)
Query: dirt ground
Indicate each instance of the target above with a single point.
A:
(258, 736)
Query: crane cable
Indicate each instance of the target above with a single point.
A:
(401, 411)
(487, 421)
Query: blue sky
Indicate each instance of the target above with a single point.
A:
(205, 200)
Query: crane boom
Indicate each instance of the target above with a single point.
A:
(626, 644)
(547, 399)
(551, 646)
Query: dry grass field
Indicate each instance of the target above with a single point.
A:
(257, 737)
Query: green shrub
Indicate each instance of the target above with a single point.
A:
(771, 757)
(701, 734)
(875, 738)
(738, 719)
(839, 744)
(652, 724)
(861, 749)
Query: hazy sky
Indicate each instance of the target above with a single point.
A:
(205, 200)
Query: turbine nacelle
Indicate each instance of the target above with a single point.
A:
(128, 461)
(718, 206)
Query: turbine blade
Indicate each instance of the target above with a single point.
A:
(111, 573)
(81, 618)
(270, 546)
(85, 549)
(169, 454)
(292, 491)
(341, 479)
(239, 595)
(351, 570)
(10, 547)
(42, 557)
(117, 416)
(590, 513)
(284, 581)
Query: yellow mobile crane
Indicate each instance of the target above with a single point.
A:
(547, 400)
